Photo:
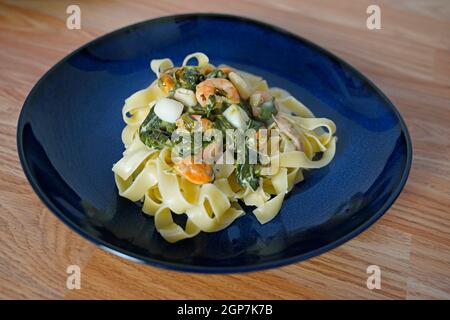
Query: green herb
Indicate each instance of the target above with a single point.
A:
(188, 121)
(247, 175)
(217, 73)
(210, 105)
(156, 133)
(205, 111)
(222, 124)
(244, 104)
(188, 77)
(220, 92)
(197, 109)
(182, 147)
(255, 124)
(225, 105)
(219, 107)
(267, 110)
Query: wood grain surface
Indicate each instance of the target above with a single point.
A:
(409, 59)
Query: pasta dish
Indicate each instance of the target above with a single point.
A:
(202, 140)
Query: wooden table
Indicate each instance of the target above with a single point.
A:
(409, 59)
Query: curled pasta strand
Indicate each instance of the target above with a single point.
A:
(278, 93)
(152, 201)
(298, 159)
(251, 79)
(135, 189)
(255, 198)
(261, 86)
(171, 231)
(169, 187)
(158, 66)
(130, 162)
(224, 186)
(270, 209)
(202, 59)
(290, 104)
(138, 105)
(280, 181)
(214, 211)
(313, 123)
(129, 134)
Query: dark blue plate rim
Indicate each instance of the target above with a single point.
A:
(207, 269)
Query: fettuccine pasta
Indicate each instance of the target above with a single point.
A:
(170, 171)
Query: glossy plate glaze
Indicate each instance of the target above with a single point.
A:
(70, 126)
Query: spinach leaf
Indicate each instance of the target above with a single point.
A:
(156, 133)
(217, 73)
(247, 175)
(267, 110)
(210, 106)
(197, 109)
(222, 123)
(204, 111)
(182, 148)
(244, 104)
(255, 124)
(188, 121)
(188, 77)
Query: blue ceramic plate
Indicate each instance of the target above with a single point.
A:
(70, 126)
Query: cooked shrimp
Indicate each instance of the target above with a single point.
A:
(221, 88)
(197, 173)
